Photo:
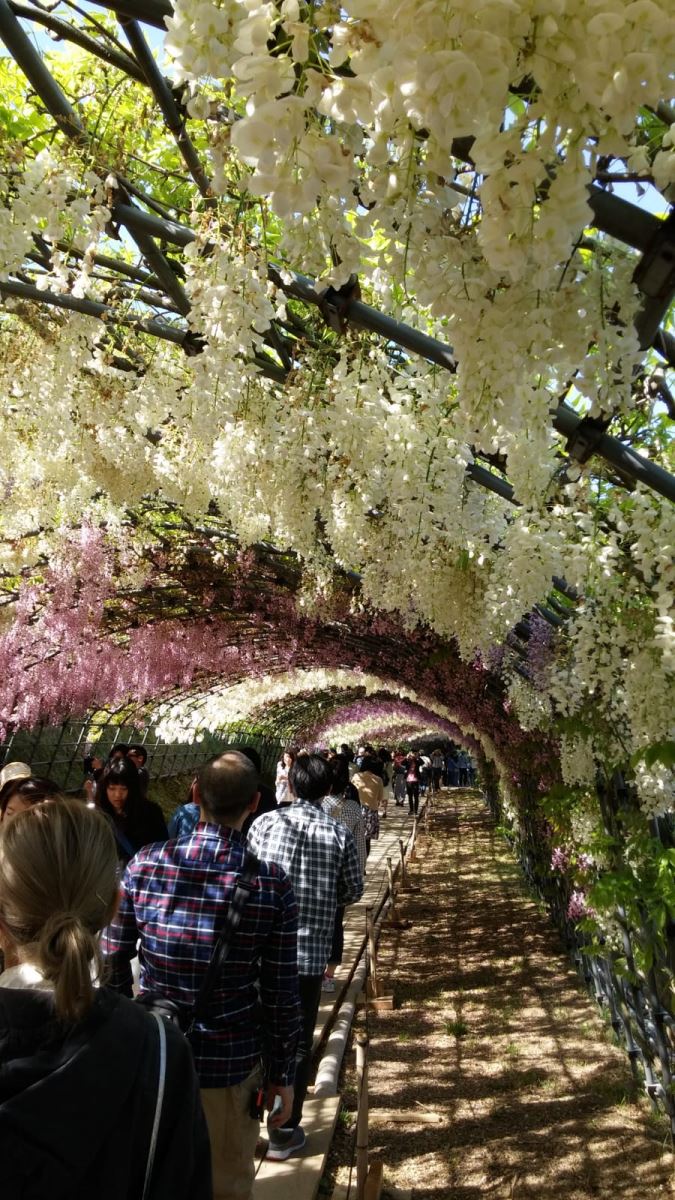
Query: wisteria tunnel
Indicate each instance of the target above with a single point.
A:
(336, 356)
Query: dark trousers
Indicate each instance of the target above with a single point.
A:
(338, 943)
(310, 996)
(413, 790)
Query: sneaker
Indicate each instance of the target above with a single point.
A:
(279, 1151)
(328, 984)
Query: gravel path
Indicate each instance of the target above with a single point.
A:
(495, 1039)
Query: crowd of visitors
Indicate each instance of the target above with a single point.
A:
(235, 917)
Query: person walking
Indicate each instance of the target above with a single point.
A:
(283, 795)
(135, 822)
(175, 897)
(463, 764)
(412, 782)
(320, 857)
(82, 1068)
(368, 781)
(399, 766)
(342, 804)
(452, 765)
(437, 764)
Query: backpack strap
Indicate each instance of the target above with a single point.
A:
(243, 887)
(159, 1102)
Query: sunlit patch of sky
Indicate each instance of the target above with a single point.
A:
(48, 43)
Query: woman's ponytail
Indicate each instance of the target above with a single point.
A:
(68, 955)
(58, 889)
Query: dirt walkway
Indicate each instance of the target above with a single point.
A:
(494, 1033)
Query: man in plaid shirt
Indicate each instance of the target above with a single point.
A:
(174, 897)
(319, 856)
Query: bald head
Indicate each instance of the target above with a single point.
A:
(227, 788)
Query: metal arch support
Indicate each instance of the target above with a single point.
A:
(300, 287)
(624, 458)
(91, 308)
(160, 329)
(151, 12)
(166, 101)
(621, 219)
(72, 33)
(664, 344)
(27, 57)
(615, 216)
(655, 277)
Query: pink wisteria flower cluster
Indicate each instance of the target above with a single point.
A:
(578, 907)
(60, 658)
(560, 859)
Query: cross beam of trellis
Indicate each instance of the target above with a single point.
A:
(654, 275)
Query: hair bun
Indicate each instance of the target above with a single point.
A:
(58, 926)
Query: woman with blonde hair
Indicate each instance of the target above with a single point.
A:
(98, 1097)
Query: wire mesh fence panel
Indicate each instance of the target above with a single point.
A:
(58, 752)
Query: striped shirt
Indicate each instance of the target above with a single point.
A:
(174, 897)
(320, 858)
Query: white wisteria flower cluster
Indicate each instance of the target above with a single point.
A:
(444, 156)
(372, 118)
(613, 673)
(228, 705)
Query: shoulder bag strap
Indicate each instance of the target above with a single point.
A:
(124, 842)
(158, 1105)
(242, 890)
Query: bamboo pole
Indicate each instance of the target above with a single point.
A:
(404, 878)
(372, 954)
(362, 1116)
(413, 838)
(393, 913)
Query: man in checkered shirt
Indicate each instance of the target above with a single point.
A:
(174, 897)
(320, 858)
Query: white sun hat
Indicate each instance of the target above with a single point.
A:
(14, 770)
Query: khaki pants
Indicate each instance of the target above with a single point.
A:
(233, 1134)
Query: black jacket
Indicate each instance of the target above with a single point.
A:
(141, 825)
(77, 1105)
(267, 803)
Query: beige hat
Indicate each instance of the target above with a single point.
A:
(14, 770)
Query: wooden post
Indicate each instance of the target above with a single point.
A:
(362, 1116)
(374, 1182)
(372, 954)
